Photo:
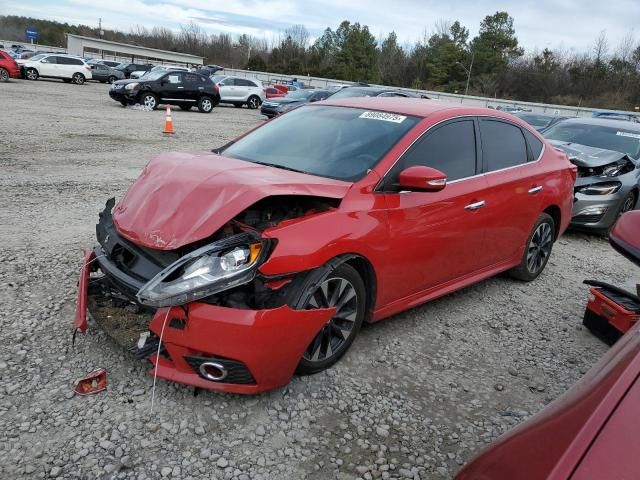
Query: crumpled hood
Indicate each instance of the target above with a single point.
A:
(590, 157)
(180, 198)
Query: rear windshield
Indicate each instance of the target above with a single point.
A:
(327, 141)
(619, 139)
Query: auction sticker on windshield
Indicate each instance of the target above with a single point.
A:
(628, 134)
(387, 117)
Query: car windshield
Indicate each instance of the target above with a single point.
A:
(618, 139)
(154, 75)
(300, 94)
(328, 141)
(534, 120)
(37, 57)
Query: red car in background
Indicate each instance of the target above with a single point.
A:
(8, 67)
(271, 91)
(591, 432)
(241, 266)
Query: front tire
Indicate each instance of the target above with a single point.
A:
(4, 75)
(343, 289)
(254, 102)
(205, 104)
(31, 74)
(149, 100)
(78, 79)
(111, 79)
(537, 250)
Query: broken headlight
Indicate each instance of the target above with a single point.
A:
(617, 168)
(206, 271)
(600, 188)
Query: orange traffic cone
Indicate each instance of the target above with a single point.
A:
(168, 123)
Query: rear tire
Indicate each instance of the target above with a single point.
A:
(4, 75)
(111, 79)
(254, 102)
(78, 79)
(205, 104)
(31, 74)
(344, 289)
(537, 250)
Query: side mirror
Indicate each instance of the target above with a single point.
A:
(422, 179)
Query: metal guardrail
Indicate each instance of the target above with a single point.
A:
(449, 97)
(32, 46)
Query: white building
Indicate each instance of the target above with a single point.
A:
(126, 53)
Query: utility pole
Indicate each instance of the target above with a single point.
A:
(100, 31)
(466, 90)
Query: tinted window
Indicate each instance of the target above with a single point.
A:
(335, 142)
(272, 90)
(191, 78)
(243, 82)
(69, 61)
(535, 145)
(450, 148)
(50, 60)
(535, 120)
(503, 145)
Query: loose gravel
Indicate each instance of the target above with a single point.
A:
(415, 397)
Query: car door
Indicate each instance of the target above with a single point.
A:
(514, 198)
(227, 89)
(99, 72)
(437, 237)
(192, 86)
(243, 88)
(48, 66)
(173, 88)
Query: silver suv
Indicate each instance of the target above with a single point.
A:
(240, 91)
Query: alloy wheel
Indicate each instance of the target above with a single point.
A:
(149, 101)
(340, 294)
(111, 79)
(32, 74)
(629, 203)
(254, 103)
(539, 247)
(206, 105)
(78, 79)
(4, 75)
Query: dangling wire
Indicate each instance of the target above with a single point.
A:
(155, 370)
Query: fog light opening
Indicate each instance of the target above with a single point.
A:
(213, 371)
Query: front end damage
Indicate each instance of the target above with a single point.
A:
(198, 324)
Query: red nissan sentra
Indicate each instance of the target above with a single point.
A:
(233, 269)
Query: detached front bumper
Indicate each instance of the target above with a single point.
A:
(597, 212)
(252, 350)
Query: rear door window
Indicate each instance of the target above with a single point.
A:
(190, 78)
(503, 145)
(450, 148)
(51, 59)
(535, 145)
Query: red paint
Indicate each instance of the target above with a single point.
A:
(556, 444)
(269, 342)
(80, 321)
(93, 383)
(9, 64)
(272, 91)
(420, 245)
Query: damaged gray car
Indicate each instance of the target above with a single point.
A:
(607, 154)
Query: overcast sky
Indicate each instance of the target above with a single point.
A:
(569, 24)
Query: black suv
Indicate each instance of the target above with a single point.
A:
(184, 89)
(128, 68)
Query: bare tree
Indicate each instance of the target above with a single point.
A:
(601, 47)
(442, 27)
(299, 35)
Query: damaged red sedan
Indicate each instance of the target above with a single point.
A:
(233, 269)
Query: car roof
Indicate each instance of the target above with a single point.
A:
(417, 107)
(604, 122)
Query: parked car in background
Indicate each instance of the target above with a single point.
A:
(106, 74)
(540, 121)
(8, 67)
(607, 154)
(129, 68)
(184, 89)
(271, 92)
(275, 106)
(240, 91)
(336, 88)
(627, 117)
(514, 109)
(352, 92)
(158, 68)
(208, 70)
(588, 433)
(68, 68)
(108, 63)
(275, 248)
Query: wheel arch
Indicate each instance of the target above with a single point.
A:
(555, 213)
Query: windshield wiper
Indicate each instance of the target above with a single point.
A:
(282, 167)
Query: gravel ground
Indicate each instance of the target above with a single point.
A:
(415, 397)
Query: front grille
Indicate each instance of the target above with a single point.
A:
(587, 218)
(237, 372)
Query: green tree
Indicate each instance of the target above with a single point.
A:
(357, 58)
(496, 44)
(391, 61)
